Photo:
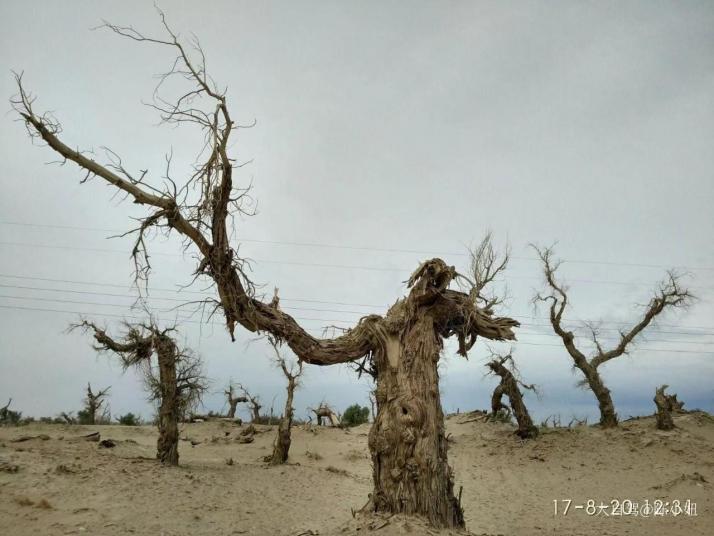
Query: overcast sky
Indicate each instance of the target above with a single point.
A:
(387, 133)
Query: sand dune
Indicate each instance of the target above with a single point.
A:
(66, 485)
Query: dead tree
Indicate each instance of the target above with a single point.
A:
(253, 404)
(373, 404)
(5, 412)
(666, 405)
(177, 387)
(407, 442)
(93, 402)
(281, 446)
(325, 412)
(68, 417)
(670, 295)
(485, 264)
(510, 387)
(233, 400)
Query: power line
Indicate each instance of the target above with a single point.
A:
(349, 321)
(365, 248)
(63, 311)
(108, 294)
(321, 265)
(179, 291)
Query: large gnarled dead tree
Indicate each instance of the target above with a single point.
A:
(177, 387)
(510, 386)
(670, 295)
(93, 403)
(281, 446)
(407, 442)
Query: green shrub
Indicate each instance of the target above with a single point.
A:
(129, 419)
(355, 415)
(83, 417)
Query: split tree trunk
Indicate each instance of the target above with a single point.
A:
(496, 404)
(407, 441)
(167, 445)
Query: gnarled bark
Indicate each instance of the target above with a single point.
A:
(167, 444)
(281, 446)
(666, 405)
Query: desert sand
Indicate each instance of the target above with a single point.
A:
(62, 484)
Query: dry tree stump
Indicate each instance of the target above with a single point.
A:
(666, 405)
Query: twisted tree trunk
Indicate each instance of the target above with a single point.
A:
(281, 447)
(509, 387)
(496, 398)
(233, 404)
(608, 417)
(407, 440)
(255, 412)
(666, 405)
(167, 444)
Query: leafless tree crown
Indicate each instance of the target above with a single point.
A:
(669, 295)
(202, 211)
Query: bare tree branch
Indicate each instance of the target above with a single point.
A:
(484, 266)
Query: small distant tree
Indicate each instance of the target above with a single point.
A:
(510, 386)
(68, 417)
(670, 295)
(8, 416)
(281, 446)
(253, 403)
(355, 415)
(129, 419)
(233, 400)
(92, 404)
(325, 412)
(178, 384)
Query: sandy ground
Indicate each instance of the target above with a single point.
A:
(63, 485)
